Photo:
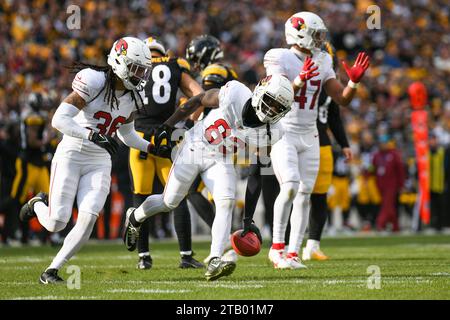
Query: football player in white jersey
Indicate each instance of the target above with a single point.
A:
(296, 156)
(238, 117)
(101, 104)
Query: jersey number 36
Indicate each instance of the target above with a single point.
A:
(113, 125)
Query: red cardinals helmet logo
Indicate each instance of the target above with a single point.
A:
(298, 23)
(121, 47)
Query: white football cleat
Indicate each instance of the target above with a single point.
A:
(230, 255)
(283, 264)
(207, 259)
(276, 257)
(295, 263)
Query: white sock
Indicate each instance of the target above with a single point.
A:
(76, 238)
(144, 254)
(152, 205)
(221, 227)
(299, 221)
(186, 253)
(45, 219)
(312, 244)
(282, 208)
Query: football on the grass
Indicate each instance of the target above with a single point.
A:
(247, 245)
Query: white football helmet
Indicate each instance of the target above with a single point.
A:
(272, 98)
(130, 59)
(305, 29)
(154, 44)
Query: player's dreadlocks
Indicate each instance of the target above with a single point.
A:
(110, 84)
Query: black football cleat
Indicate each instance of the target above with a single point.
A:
(145, 263)
(131, 234)
(218, 268)
(188, 262)
(50, 276)
(27, 211)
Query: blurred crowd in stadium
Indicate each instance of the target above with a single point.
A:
(413, 43)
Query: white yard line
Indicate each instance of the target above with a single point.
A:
(55, 298)
(143, 290)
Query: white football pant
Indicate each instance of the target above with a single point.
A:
(219, 178)
(295, 160)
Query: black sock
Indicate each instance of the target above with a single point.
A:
(143, 245)
(182, 221)
(204, 208)
(133, 221)
(317, 216)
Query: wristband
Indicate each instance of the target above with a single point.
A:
(352, 84)
(298, 82)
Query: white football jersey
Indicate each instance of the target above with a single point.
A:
(97, 115)
(303, 115)
(222, 131)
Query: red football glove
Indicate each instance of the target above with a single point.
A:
(356, 72)
(308, 70)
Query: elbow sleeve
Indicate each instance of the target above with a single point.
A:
(63, 121)
(129, 136)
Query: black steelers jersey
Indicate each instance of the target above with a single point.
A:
(161, 92)
(329, 116)
(38, 121)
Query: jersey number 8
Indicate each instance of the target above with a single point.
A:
(161, 87)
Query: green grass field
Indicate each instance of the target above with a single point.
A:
(412, 267)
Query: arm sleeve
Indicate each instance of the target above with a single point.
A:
(253, 191)
(336, 125)
(129, 136)
(63, 121)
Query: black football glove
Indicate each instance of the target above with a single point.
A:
(249, 225)
(106, 142)
(163, 132)
(164, 151)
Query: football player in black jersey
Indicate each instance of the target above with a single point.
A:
(205, 55)
(32, 174)
(168, 75)
(328, 117)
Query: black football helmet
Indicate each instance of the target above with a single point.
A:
(35, 101)
(202, 51)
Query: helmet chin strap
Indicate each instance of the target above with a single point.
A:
(127, 84)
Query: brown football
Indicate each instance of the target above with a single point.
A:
(246, 246)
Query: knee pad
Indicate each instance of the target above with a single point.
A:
(224, 205)
(303, 198)
(289, 190)
(170, 206)
(171, 201)
(55, 225)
